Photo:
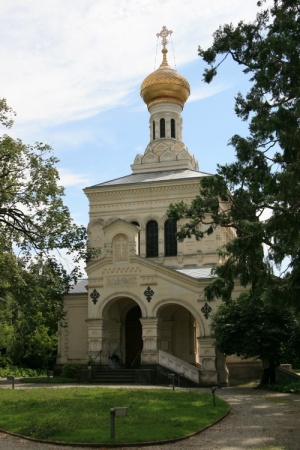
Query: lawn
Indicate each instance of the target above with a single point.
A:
(83, 414)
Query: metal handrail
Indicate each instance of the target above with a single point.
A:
(137, 355)
(92, 360)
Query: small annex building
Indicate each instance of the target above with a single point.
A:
(142, 306)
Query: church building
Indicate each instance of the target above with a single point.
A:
(142, 307)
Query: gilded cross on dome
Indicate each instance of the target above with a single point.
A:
(163, 34)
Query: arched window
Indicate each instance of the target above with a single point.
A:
(151, 239)
(170, 238)
(153, 129)
(162, 124)
(137, 241)
(173, 134)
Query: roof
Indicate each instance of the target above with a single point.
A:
(148, 177)
(194, 272)
(198, 273)
(80, 287)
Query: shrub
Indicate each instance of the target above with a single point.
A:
(71, 370)
(18, 372)
(5, 361)
(292, 387)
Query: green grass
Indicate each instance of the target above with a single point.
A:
(83, 414)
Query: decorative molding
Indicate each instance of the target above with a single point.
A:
(148, 280)
(121, 281)
(139, 191)
(148, 293)
(120, 248)
(121, 270)
(172, 273)
(206, 310)
(95, 296)
(163, 107)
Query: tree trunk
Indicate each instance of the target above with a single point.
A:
(269, 374)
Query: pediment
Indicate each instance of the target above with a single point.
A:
(140, 271)
(120, 226)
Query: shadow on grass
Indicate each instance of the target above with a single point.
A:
(82, 415)
(50, 380)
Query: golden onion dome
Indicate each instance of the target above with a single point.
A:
(165, 85)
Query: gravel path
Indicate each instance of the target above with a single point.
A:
(260, 420)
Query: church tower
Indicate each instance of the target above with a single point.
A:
(165, 92)
(143, 307)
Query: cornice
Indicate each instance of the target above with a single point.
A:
(139, 191)
(135, 270)
(170, 272)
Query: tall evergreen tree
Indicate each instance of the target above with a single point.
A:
(258, 195)
(265, 175)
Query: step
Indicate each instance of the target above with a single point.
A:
(114, 376)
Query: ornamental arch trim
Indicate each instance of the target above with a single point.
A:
(108, 301)
(204, 332)
(93, 222)
(150, 217)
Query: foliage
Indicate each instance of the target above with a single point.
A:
(35, 227)
(82, 415)
(71, 370)
(32, 212)
(265, 176)
(31, 308)
(18, 372)
(6, 113)
(291, 387)
(255, 329)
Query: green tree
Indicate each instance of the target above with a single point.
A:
(265, 174)
(31, 309)
(32, 211)
(256, 329)
(36, 225)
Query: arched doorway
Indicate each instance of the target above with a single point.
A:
(133, 338)
(178, 332)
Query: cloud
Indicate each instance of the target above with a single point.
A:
(71, 179)
(207, 91)
(68, 60)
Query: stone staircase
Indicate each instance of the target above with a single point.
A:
(113, 376)
(179, 367)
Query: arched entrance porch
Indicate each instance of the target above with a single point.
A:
(178, 332)
(121, 333)
(133, 338)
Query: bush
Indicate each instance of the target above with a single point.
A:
(5, 361)
(18, 372)
(291, 387)
(71, 370)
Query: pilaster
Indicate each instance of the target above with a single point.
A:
(150, 341)
(208, 360)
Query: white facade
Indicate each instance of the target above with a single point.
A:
(144, 298)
